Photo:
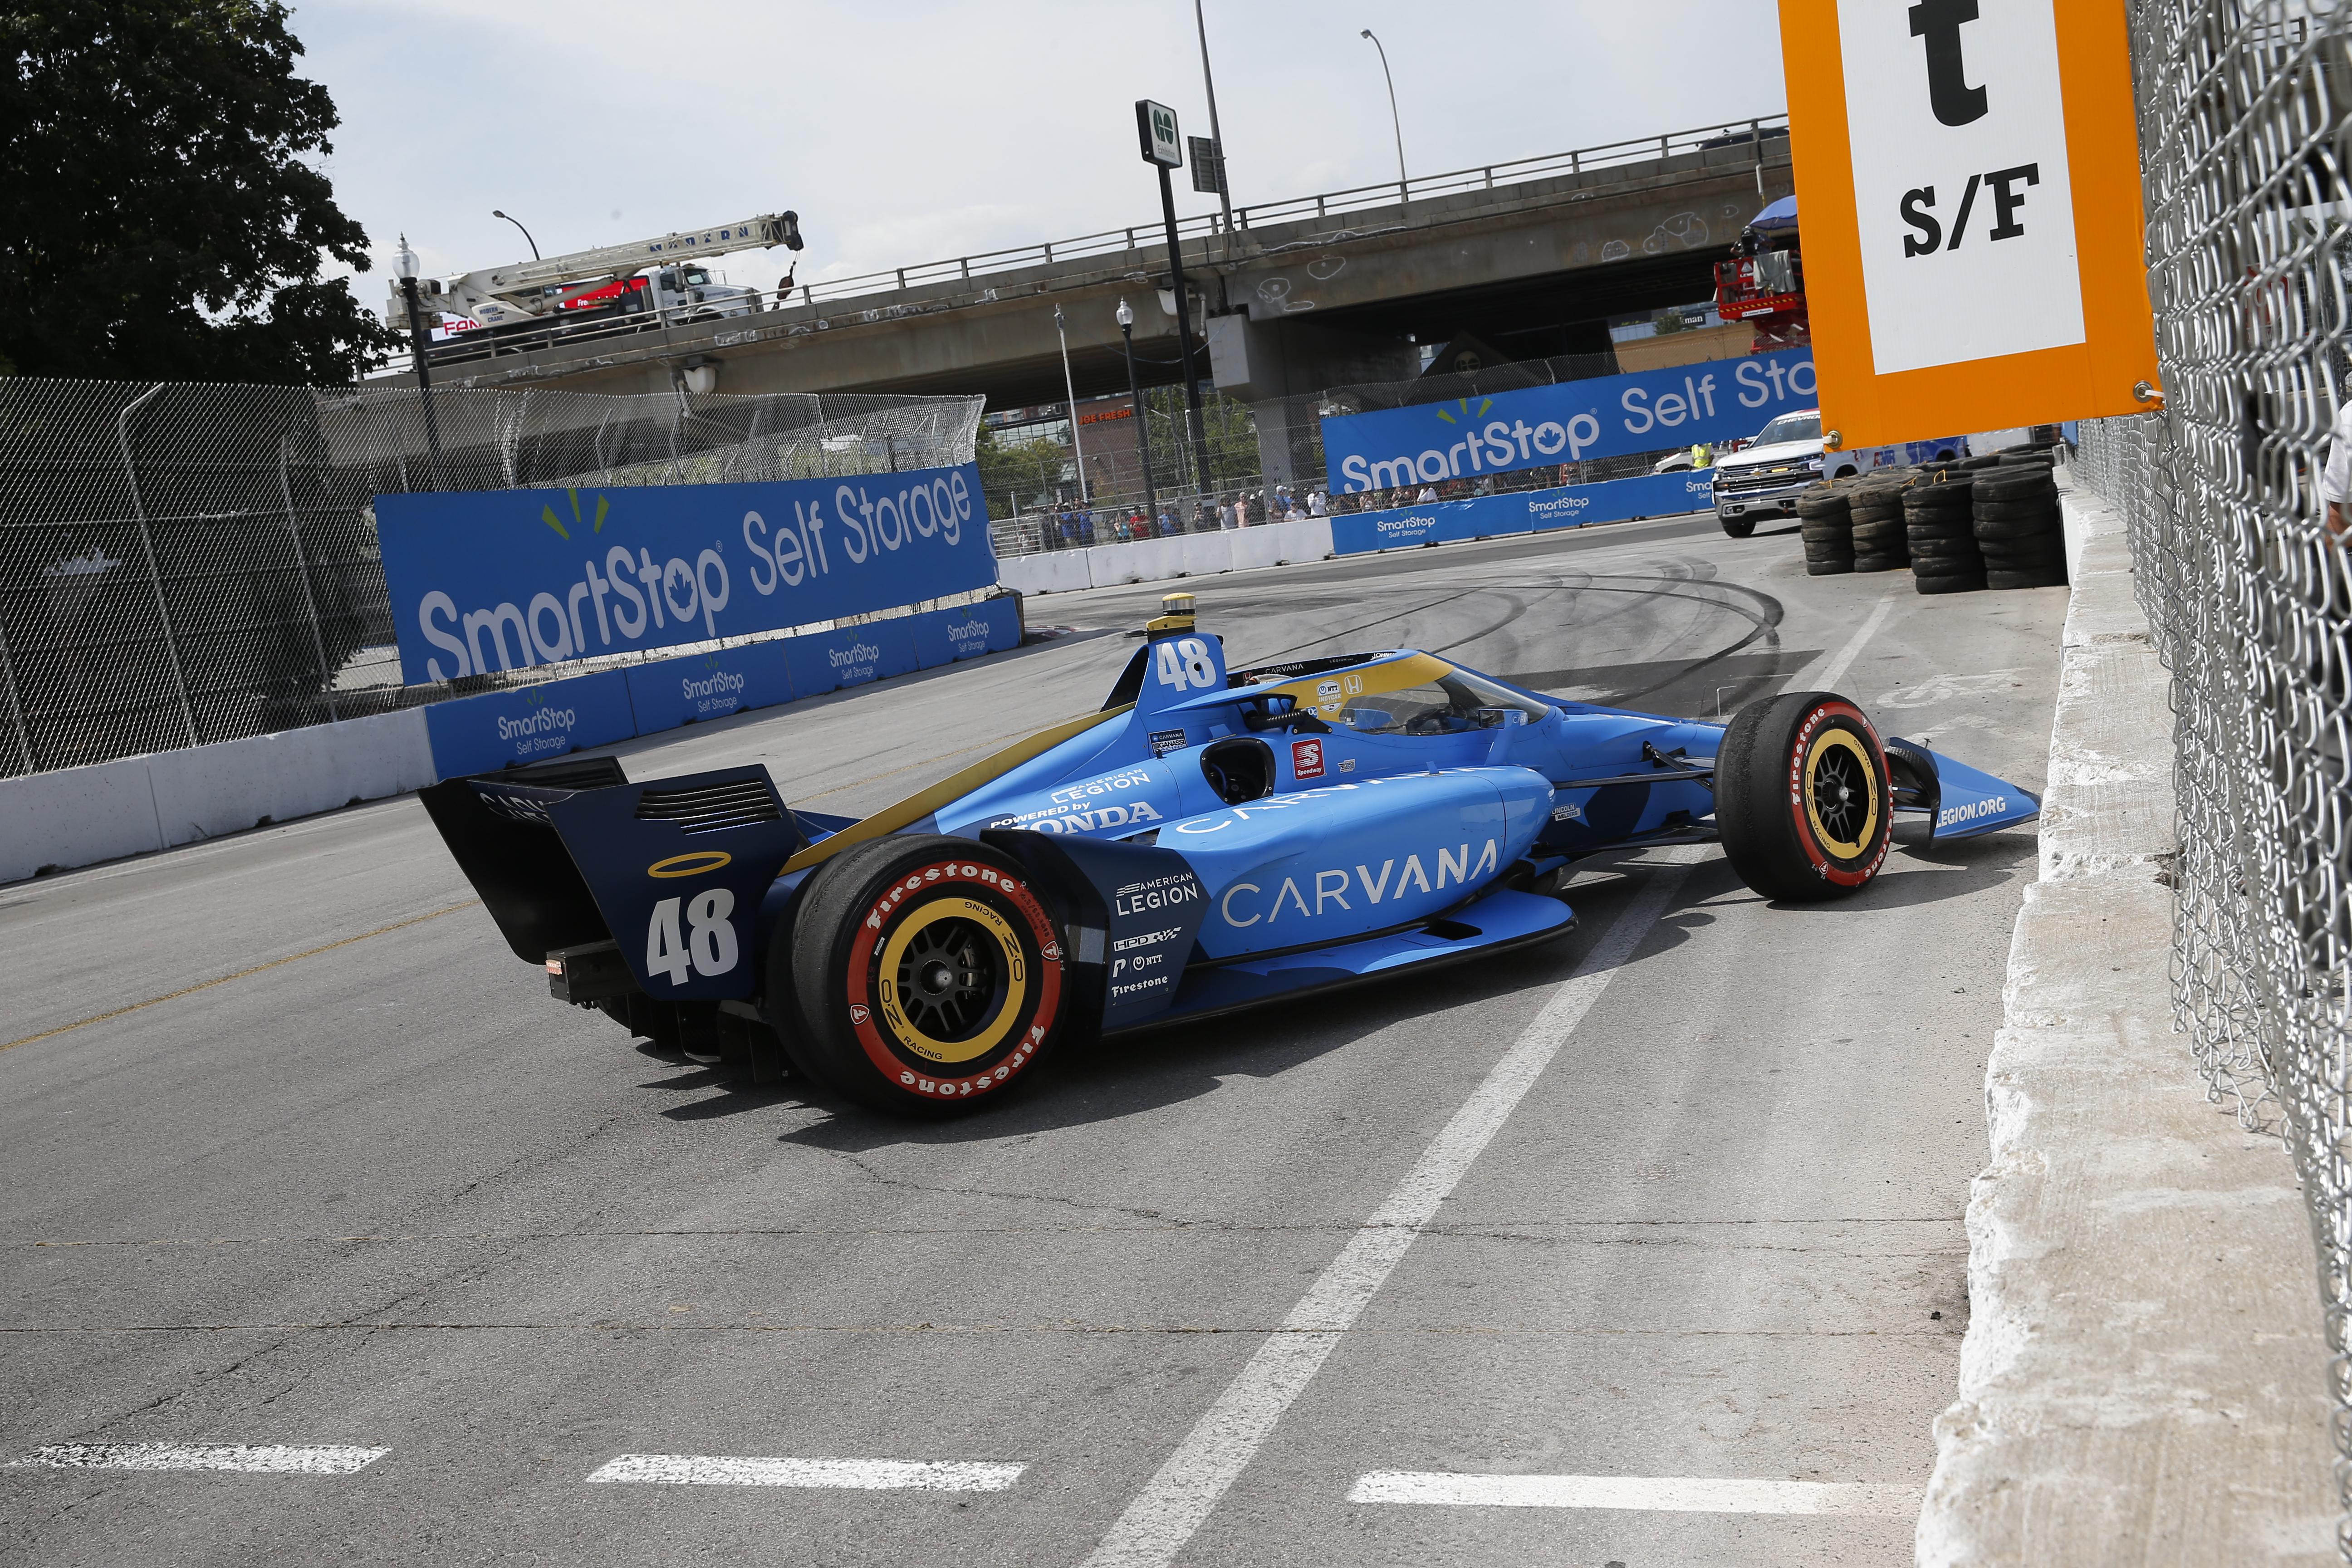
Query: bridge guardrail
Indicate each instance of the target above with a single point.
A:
(1139, 241)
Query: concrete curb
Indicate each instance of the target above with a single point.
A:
(2142, 1380)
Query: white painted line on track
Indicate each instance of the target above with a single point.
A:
(1178, 1500)
(259, 1458)
(1826, 677)
(1659, 1494)
(858, 1475)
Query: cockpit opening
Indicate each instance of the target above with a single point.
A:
(1239, 768)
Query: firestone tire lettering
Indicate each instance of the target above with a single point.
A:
(1018, 902)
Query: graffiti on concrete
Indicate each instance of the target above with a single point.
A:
(1684, 230)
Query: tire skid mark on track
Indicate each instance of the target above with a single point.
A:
(1764, 618)
(240, 975)
(1366, 625)
(636, 1327)
(1524, 1231)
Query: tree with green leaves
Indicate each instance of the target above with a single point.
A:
(1022, 473)
(160, 215)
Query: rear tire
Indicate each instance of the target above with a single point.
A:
(1803, 799)
(924, 973)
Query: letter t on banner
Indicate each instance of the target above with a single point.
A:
(1968, 177)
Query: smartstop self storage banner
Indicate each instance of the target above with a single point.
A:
(1523, 511)
(1606, 416)
(507, 579)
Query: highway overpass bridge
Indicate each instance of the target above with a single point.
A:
(1325, 291)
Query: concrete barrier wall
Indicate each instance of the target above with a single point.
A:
(2144, 1377)
(1314, 538)
(77, 816)
(1161, 560)
(1053, 571)
(226, 788)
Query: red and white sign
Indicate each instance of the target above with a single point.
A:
(1307, 759)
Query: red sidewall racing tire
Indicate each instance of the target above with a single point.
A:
(1804, 800)
(927, 975)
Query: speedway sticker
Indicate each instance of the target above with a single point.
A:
(1307, 759)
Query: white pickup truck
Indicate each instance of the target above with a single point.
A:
(1764, 480)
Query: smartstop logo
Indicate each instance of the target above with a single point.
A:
(720, 683)
(543, 729)
(856, 653)
(720, 691)
(1413, 522)
(1558, 509)
(969, 636)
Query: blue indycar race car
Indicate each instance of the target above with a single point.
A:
(1208, 841)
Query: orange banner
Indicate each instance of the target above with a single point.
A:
(1969, 198)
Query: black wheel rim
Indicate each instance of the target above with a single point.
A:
(949, 980)
(1841, 795)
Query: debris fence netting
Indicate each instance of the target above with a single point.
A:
(2245, 141)
(186, 563)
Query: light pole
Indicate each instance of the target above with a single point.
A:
(407, 264)
(1405, 191)
(1070, 390)
(1217, 136)
(526, 233)
(1155, 125)
(1142, 426)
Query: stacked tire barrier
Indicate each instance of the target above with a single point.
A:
(1825, 517)
(1937, 517)
(1876, 504)
(2017, 525)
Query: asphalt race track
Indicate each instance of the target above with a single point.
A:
(1692, 1216)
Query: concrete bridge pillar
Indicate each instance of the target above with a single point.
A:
(1278, 366)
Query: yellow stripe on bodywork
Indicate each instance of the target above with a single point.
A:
(922, 803)
(1394, 675)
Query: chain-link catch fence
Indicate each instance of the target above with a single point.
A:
(186, 562)
(2245, 125)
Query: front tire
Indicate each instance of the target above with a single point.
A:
(926, 974)
(1803, 799)
(1738, 527)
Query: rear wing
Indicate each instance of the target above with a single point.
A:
(673, 870)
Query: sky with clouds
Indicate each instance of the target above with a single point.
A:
(903, 132)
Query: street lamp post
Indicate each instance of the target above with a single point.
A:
(1405, 190)
(526, 233)
(1163, 150)
(416, 342)
(1070, 390)
(1143, 427)
(1217, 136)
